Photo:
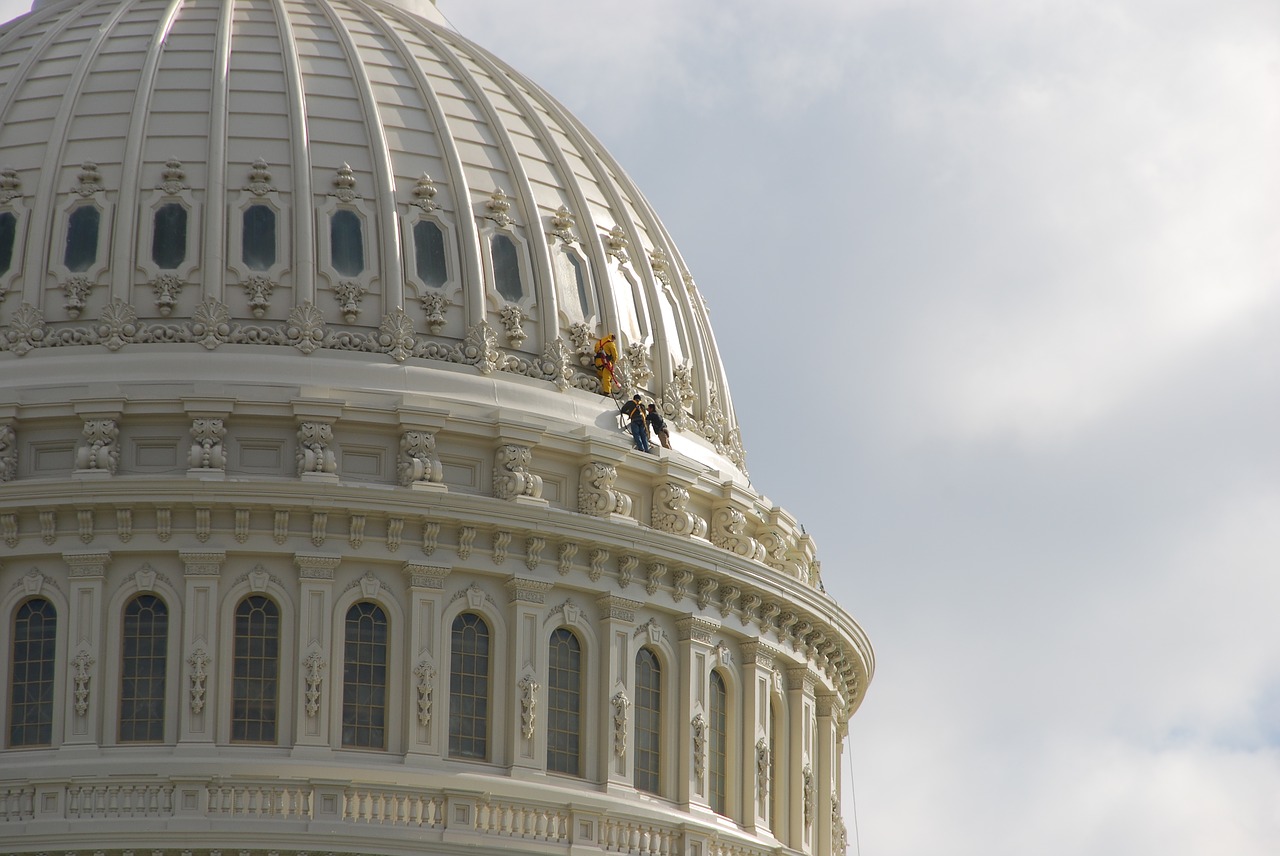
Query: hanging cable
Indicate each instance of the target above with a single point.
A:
(853, 799)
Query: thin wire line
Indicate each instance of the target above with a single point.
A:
(853, 797)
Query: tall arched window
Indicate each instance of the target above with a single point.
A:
(718, 745)
(469, 688)
(564, 703)
(144, 656)
(648, 707)
(35, 625)
(364, 678)
(255, 675)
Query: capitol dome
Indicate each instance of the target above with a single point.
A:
(319, 534)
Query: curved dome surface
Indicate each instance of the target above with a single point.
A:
(347, 175)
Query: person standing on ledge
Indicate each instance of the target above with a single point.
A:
(658, 426)
(634, 411)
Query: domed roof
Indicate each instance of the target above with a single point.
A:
(342, 176)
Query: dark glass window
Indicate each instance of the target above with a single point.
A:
(142, 673)
(564, 703)
(648, 707)
(580, 281)
(82, 239)
(169, 238)
(35, 625)
(8, 236)
(364, 678)
(428, 245)
(346, 243)
(469, 688)
(255, 679)
(718, 744)
(506, 267)
(258, 237)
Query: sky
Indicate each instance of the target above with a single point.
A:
(997, 287)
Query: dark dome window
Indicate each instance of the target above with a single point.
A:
(8, 234)
(169, 240)
(258, 243)
(346, 243)
(428, 245)
(82, 239)
(506, 268)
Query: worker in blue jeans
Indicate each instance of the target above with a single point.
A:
(634, 411)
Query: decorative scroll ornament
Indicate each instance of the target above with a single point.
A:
(511, 476)
(313, 671)
(699, 732)
(511, 316)
(77, 289)
(418, 461)
(10, 184)
(533, 547)
(305, 330)
(653, 582)
(211, 323)
(260, 179)
(8, 452)
(669, 514)
(258, 290)
(199, 665)
(498, 207)
(395, 335)
(764, 769)
(596, 494)
(207, 452)
(314, 454)
(99, 451)
(344, 184)
(173, 177)
(426, 675)
(562, 225)
(349, 294)
(621, 707)
(661, 265)
(598, 558)
(807, 792)
(424, 193)
(706, 588)
(88, 180)
(80, 665)
(433, 306)
(528, 706)
(558, 362)
(728, 531)
(119, 325)
(480, 349)
(680, 587)
(615, 244)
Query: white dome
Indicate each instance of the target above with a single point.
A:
(351, 125)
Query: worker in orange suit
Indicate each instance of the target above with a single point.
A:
(606, 356)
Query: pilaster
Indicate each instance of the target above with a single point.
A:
(427, 673)
(198, 693)
(695, 652)
(756, 749)
(527, 741)
(800, 757)
(315, 646)
(616, 733)
(84, 689)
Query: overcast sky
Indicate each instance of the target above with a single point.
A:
(997, 285)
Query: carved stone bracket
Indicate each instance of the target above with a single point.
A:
(207, 452)
(418, 462)
(511, 476)
(596, 494)
(100, 450)
(314, 454)
(670, 514)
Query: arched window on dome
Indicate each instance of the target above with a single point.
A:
(564, 703)
(430, 261)
(718, 745)
(82, 239)
(255, 675)
(364, 678)
(144, 660)
(648, 708)
(506, 267)
(469, 688)
(346, 242)
(31, 675)
(8, 238)
(258, 237)
(169, 236)
(573, 283)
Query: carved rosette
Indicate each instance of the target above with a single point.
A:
(425, 674)
(670, 514)
(511, 476)
(100, 449)
(418, 461)
(207, 451)
(596, 494)
(314, 454)
(621, 708)
(8, 452)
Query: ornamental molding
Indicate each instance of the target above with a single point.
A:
(618, 608)
(695, 628)
(426, 576)
(522, 590)
(621, 707)
(87, 565)
(425, 679)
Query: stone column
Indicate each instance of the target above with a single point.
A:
(799, 772)
(197, 695)
(85, 691)
(316, 666)
(826, 772)
(427, 673)
(616, 733)
(693, 685)
(526, 738)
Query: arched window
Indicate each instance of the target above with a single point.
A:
(8, 236)
(169, 236)
(469, 688)
(648, 707)
(346, 243)
(142, 670)
(35, 625)
(718, 744)
(82, 239)
(255, 676)
(564, 703)
(506, 268)
(428, 247)
(258, 237)
(364, 678)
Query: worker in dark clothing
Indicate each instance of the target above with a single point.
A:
(658, 426)
(634, 411)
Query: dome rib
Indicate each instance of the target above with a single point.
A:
(214, 263)
(304, 275)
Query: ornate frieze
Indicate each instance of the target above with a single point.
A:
(87, 565)
(313, 567)
(202, 563)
